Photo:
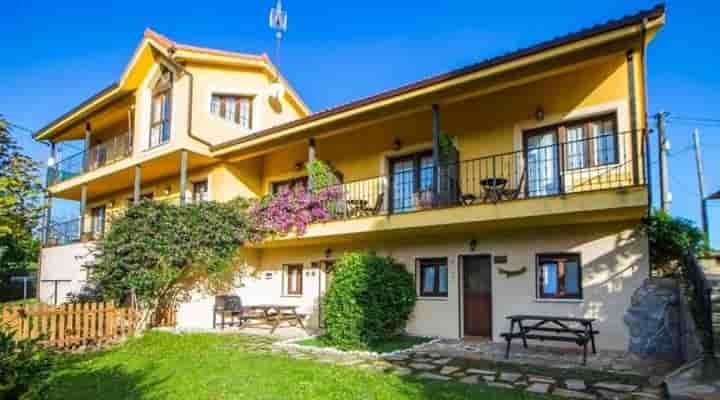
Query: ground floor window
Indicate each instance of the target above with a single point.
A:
(559, 276)
(200, 192)
(433, 274)
(293, 275)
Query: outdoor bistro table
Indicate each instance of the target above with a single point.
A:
(494, 188)
(273, 315)
(566, 329)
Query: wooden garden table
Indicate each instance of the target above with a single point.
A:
(273, 315)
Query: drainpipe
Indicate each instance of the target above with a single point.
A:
(171, 60)
(648, 166)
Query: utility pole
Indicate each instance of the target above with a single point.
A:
(701, 183)
(663, 147)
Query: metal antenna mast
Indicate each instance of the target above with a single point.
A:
(278, 23)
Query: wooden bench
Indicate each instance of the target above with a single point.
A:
(539, 330)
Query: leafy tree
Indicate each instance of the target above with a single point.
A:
(369, 301)
(24, 365)
(671, 239)
(20, 206)
(157, 254)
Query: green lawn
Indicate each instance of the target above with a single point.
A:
(167, 366)
(394, 344)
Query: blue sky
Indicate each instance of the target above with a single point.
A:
(339, 51)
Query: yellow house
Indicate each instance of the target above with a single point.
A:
(515, 185)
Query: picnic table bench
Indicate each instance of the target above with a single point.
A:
(551, 328)
(273, 315)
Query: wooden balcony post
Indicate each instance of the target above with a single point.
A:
(183, 175)
(435, 148)
(86, 154)
(83, 207)
(311, 158)
(136, 192)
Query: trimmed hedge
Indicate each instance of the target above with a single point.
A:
(370, 300)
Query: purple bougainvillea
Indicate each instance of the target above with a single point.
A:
(292, 211)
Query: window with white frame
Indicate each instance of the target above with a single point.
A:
(200, 191)
(233, 108)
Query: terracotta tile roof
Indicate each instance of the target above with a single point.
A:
(629, 20)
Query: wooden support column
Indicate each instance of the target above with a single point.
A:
(136, 192)
(183, 175)
(83, 209)
(48, 216)
(435, 148)
(311, 158)
(86, 154)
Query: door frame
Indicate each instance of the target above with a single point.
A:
(461, 291)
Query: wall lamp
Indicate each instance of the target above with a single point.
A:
(397, 144)
(539, 114)
(473, 245)
(328, 252)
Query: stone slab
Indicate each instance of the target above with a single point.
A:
(480, 371)
(572, 394)
(509, 376)
(422, 366)
(449, 370)
(538, 388)
(470, 380)
(575, 384)
(428, 375)
(616, 387)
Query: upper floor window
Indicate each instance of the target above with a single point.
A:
(236, 109)
(160, 110)
(590, 144)
(290, 184)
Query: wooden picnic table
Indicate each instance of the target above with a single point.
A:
(541, 327)
(272, 315)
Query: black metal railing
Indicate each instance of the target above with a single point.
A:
(104, 153)
(583, 165)
(62, 233)
(699, 291)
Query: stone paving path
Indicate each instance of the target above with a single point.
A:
(429, 363)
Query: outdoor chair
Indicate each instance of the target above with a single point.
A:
(375, 208)
(514, 192)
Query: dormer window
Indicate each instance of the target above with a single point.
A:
(232, 108)
(161, 110)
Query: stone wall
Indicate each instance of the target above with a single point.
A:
(654, 320)
(660, 322)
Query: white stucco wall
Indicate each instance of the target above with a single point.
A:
(65, 265)
(614, 259)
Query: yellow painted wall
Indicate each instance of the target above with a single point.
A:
(211, 80)
(481, 126)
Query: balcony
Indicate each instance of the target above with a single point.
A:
(104, 153)
(555, 170)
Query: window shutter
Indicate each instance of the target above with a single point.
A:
(562, 144)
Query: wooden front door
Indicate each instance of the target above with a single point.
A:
(325, 278)
(477, 295)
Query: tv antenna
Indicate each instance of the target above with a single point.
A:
(278, 23)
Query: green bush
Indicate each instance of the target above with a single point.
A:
(370, 300)
(671, 239)
(23, 367)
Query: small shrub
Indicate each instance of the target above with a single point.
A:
(24, 365)
(370, 300)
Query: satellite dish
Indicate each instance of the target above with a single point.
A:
(277, 91)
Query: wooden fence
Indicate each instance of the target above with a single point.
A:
(70, 325)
